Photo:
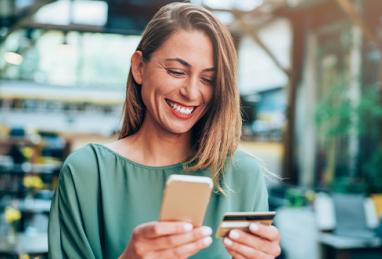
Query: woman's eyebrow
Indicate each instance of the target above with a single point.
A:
(186, 64)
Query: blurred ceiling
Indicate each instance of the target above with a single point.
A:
(117, 16)
(12, 12)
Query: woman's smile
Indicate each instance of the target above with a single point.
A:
(181, 111)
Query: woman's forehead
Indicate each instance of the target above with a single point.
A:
(193, 47)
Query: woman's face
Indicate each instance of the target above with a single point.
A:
(177, 81)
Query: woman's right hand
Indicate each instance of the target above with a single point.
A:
(166, 240)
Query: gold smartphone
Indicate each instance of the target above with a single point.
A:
(242, 220)
(186, 199)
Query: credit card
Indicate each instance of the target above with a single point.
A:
(242, 220)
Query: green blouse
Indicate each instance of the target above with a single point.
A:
(101, 197)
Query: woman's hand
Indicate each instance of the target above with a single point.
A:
(166, 240)
(262, 242)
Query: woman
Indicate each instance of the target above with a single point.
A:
(181, 115)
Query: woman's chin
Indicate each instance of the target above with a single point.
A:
(178, 128)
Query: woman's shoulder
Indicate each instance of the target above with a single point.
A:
(244, 168)
(79, 179)
(244, 161)
(244, 179)
(84, 160)
(82, 155)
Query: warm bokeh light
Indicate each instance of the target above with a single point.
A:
(13, 58)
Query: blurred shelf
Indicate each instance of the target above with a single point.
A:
(28, 168)
(33, 205)
(36, 244)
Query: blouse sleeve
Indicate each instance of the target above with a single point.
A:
(248, 182)
(261, 199)
(67, 236)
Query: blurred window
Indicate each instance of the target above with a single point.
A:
(67, 59)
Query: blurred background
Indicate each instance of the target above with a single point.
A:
(309, 75)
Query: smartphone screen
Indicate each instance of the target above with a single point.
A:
(186, 199)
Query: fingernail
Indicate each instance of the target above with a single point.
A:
(227, 242)
(207, 241)
(206, 231)
(188, 227)
(234, 234)
(253, 227)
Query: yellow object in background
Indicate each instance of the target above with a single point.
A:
(12, 215)
(26, 256)
(27, 152)
(33, 182)
(377, 200)
(4, 131)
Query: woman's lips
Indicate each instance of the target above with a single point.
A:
(180, 110)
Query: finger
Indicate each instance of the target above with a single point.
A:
(259, 243)
(172, 241)
(192, 248)
(157, 229)
(186, 250)
(268, 232)
(235, 255)
(243, 250)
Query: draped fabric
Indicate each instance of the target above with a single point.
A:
(101, 197)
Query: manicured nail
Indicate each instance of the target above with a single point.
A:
(253, 227)
(207, 241)
(206, 231)
(234, 234)
(227, 242)
(188, 227)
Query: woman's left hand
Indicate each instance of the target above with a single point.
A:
(261, 242)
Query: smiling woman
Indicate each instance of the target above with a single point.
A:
(193, 47)
(181, 116)
(176, 83)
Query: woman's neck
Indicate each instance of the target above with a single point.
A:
(154, 146)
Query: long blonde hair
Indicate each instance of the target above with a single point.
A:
(216, 135)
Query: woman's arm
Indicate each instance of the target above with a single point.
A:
(67, 236)
(262, 242)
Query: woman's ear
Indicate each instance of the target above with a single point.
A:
(137, 66)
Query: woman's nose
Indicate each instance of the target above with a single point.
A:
(190, 90)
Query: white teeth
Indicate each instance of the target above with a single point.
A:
(180, 109)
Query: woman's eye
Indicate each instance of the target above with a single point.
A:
(175, 73)
(208, 81)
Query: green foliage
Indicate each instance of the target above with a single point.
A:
(373, 171)
(370, 111)
(345, 184)
(337, 116)
(334, 113)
